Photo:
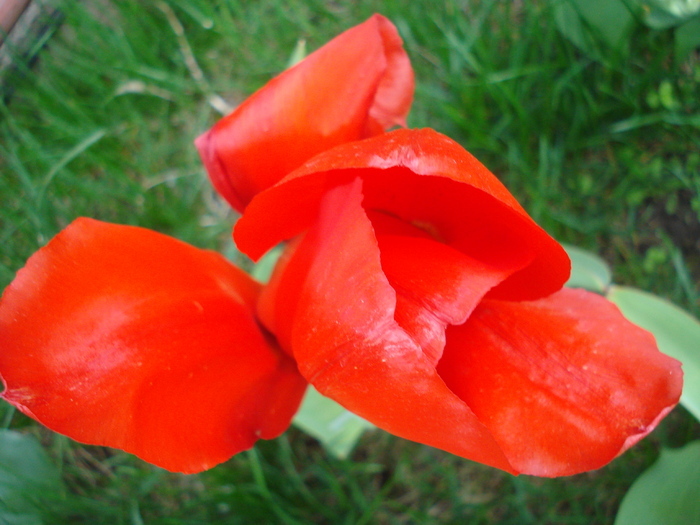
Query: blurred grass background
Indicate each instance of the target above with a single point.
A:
(605, 154)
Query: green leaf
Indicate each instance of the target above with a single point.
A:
(588, 23)
(687, 37)
(677, 334)
(668, 493)
(588, 270)
(27, 479)
(336, 428)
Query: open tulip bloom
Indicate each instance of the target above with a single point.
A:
(413, 289)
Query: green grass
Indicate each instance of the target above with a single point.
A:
(604, 156)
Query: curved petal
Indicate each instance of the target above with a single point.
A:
(335, 308)
(356, 86)
(120, 336)
(435, 286)
(565, 383)
(427, 180)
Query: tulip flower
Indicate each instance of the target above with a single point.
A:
(120, 336)
(413, 289)
(418, 294)
(356, 86)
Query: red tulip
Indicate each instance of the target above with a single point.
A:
(356, 86)
(418, 294)
(120, 336)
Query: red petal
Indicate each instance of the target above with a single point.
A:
(335, 307)
(427, 180)
(565, 383)
(120, 336)
(357, 85)
(436, 286)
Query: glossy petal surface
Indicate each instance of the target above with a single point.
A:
(426, 180)
(393, 317)
(335, 308)
(435, 286)
(356, 86)
(120, 336)
(565, 383)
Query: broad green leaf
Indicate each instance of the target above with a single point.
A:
(677, 334)
(27, 478)
(336, 428)
(588, 270)
(687, 37)
(668, 493)
(587, 23)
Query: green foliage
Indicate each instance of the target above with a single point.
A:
(595, 26)
(666, 494)
(600, 27)
(688, 36)
(28, 480)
